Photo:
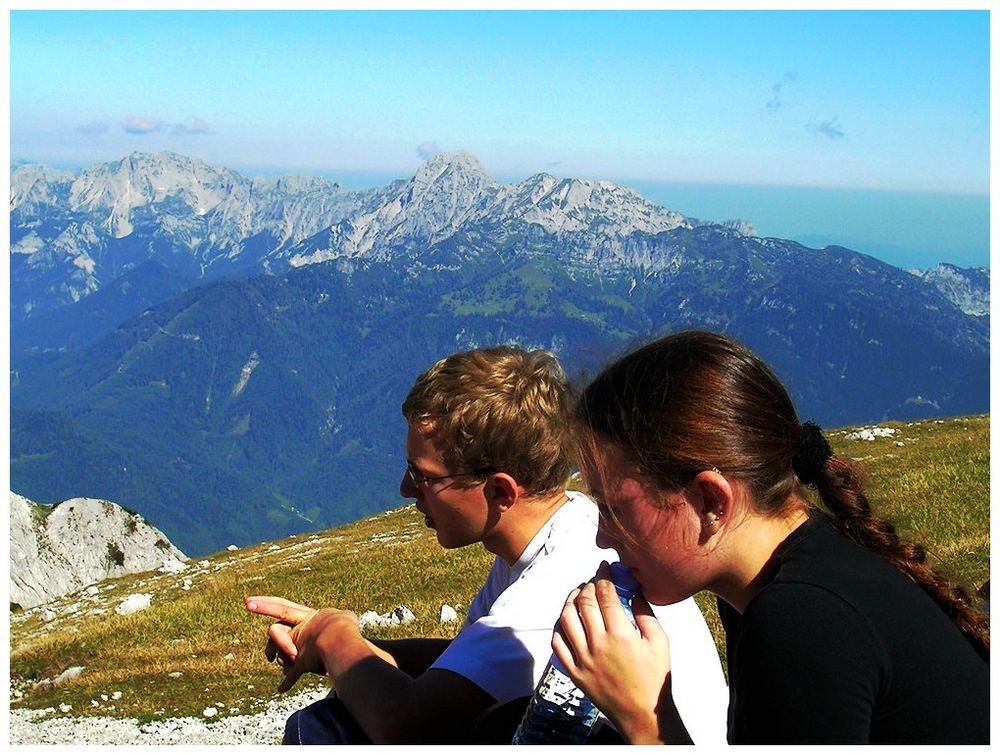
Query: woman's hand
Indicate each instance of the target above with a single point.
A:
(625, 673)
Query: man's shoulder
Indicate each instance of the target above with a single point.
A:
(578, 513)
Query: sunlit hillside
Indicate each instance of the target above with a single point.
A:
(195, 645)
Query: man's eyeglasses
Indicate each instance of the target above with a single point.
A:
(418, 478)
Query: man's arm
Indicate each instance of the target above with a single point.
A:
(413, 655)
(390, 705)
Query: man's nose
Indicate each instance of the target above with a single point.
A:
(406, 487)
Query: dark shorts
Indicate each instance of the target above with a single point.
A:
(328, 722)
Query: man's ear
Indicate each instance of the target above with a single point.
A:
(502, 491)
(713, 497)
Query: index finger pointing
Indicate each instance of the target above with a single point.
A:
(277, 608)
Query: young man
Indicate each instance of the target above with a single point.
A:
(488, 456)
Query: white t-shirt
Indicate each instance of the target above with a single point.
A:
(506, 640)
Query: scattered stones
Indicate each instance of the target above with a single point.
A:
(133, 603)
(871, 433)
(447, 615)
(398, 615)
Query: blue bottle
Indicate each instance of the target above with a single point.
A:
(559, 712)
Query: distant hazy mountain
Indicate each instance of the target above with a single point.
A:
(252, 406)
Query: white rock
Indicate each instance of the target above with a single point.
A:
(229, 657)
(231, 548)
(401, 615)
(76, 543)
(71, 673)
(371, 618)
(65, 708)
(133, 603)
(116, 695)
(175, 674)
(203, 562)
(48, 614)
(871, 433)
(92, 590)
(209, 712)
(172, 566)
(447, 615)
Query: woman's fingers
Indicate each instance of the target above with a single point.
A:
(590, 611)
(646, 621)
(615, 619)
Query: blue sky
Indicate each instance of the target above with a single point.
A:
(890, 101)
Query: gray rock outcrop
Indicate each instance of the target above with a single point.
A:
(56, 550)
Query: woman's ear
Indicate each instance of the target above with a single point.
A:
(713, 497)
(502, 491)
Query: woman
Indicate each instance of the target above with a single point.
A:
(835, 630)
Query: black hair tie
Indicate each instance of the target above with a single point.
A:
(811, 455)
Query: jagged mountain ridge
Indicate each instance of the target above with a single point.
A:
(59, 549)
(71, 235)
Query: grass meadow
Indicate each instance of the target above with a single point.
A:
(196, 646)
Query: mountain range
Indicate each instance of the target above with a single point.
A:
(227, 355)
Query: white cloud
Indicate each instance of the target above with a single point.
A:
(141, 124)
(427, 150)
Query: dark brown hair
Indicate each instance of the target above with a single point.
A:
(692, 401)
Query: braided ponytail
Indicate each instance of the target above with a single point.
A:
(840, 484)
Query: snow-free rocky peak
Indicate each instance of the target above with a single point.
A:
(56, 550)
(966, 288)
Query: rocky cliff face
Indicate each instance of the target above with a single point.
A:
(966, 288)
(55, 550)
